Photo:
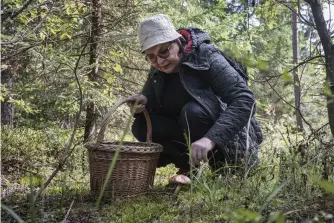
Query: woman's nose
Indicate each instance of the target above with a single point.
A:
(160, 60)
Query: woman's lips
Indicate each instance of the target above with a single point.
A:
(165, 67)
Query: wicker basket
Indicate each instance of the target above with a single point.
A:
(135, 166)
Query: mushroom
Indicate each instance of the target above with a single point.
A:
(179, 180)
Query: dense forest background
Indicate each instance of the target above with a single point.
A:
(64, 63)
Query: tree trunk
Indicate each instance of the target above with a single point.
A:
(296, 80)
(7, 108)
(328, 47)
(91, 114)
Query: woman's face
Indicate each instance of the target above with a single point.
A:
(165, 57)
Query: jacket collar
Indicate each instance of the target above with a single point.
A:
(195, 58)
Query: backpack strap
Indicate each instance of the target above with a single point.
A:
(237, 66)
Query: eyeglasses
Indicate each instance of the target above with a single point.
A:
(163, 53)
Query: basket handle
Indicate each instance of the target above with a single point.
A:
(106, 119)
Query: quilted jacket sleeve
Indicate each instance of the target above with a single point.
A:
(231, 88)
(148, 92)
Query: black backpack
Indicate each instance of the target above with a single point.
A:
(236, 65)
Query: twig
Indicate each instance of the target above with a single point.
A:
(40, 23)
(17, 53)
(292, 212)
(316, 131)
(68, 212)
(19, 11)
(247, 141)
(297, 109)
(298, 14)
(305, 61)
(68, 147)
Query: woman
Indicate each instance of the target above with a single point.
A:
(193, 89)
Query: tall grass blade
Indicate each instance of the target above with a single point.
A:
(12, 213)
(273, 194)
(113, 162)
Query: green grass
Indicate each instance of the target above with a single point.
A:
(287, 186)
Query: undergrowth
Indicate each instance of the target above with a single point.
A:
(292, 183)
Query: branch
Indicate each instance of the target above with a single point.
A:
(68, 147)
(123, 79)
(314, 133)
(297, 109)
(321, 25)
(37, 43)
(298, 14)
(40, 23)
(12, 55)
(305, 61)
(19, 11)
(68, 212)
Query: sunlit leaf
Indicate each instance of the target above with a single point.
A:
(110, 80)
(41, 36)
(262, 65)
(117, 68)
(65, 36)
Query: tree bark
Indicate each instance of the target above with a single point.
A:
(91, 113)
(328, 47)
(296, 80)
(7, 108)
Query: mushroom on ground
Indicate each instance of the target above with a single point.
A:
(179, 180)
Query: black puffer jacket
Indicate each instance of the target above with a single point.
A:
(219, 88)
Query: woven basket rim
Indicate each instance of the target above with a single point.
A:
(126, 147)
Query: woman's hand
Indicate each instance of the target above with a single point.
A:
(137, 100)
(200, 149)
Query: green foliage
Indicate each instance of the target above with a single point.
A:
(42, 45)
(329, 187)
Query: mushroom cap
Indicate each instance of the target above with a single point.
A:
(180, 179)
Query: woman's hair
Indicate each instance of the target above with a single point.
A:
(181, 42)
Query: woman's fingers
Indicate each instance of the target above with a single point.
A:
(140, 108)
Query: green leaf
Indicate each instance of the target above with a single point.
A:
(115, 54)
(53, 31)
(106, 75)
(324, 184)
(262, 65)
(65, 36)
(287, 78)
(251, 215)
(41, 36)
(68, 11)
(110, 80)
(117, 68)
(277, 217)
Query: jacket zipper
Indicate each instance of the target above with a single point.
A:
(192, 95)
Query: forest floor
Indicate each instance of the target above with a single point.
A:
(211, 198)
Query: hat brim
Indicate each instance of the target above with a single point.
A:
(159, 38)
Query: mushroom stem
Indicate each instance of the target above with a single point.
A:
(177, 189)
